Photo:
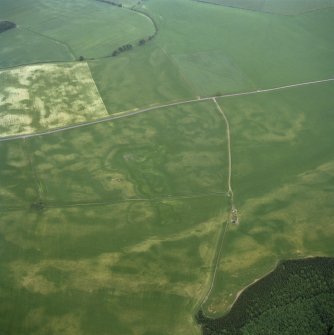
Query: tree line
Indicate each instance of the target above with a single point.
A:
(6, 25)
(296, 298)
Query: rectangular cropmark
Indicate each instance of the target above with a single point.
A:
(46, 96)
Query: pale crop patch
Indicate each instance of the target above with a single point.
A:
(41, 97)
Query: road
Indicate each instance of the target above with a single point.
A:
(127, 114)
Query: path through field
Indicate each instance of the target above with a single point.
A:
(126, 114)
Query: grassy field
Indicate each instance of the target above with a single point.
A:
(77, 28)
(283, 169)
(135, 158)
(238, 51)
(243, 50)
(283, 7)
(288, 7)
(127, 3)
(47, 96)
(18, 46)
(112, 228)
(132, 268)
(151, 79)
(280, 49)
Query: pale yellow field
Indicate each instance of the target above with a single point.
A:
(40, 97)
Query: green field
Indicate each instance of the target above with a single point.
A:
(115, 227)
(283, 7)
(151, 79)
(112, 228)
(238, 51)
(127, 3)
(18, 46)
(77, 28)
(242, 50)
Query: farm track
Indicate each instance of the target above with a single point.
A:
(122, 115)
(220, 240)
(228, 136)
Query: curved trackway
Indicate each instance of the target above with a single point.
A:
(122, 115)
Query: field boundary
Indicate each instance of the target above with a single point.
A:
(97, 89)
(67, 46)
(51, 205)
